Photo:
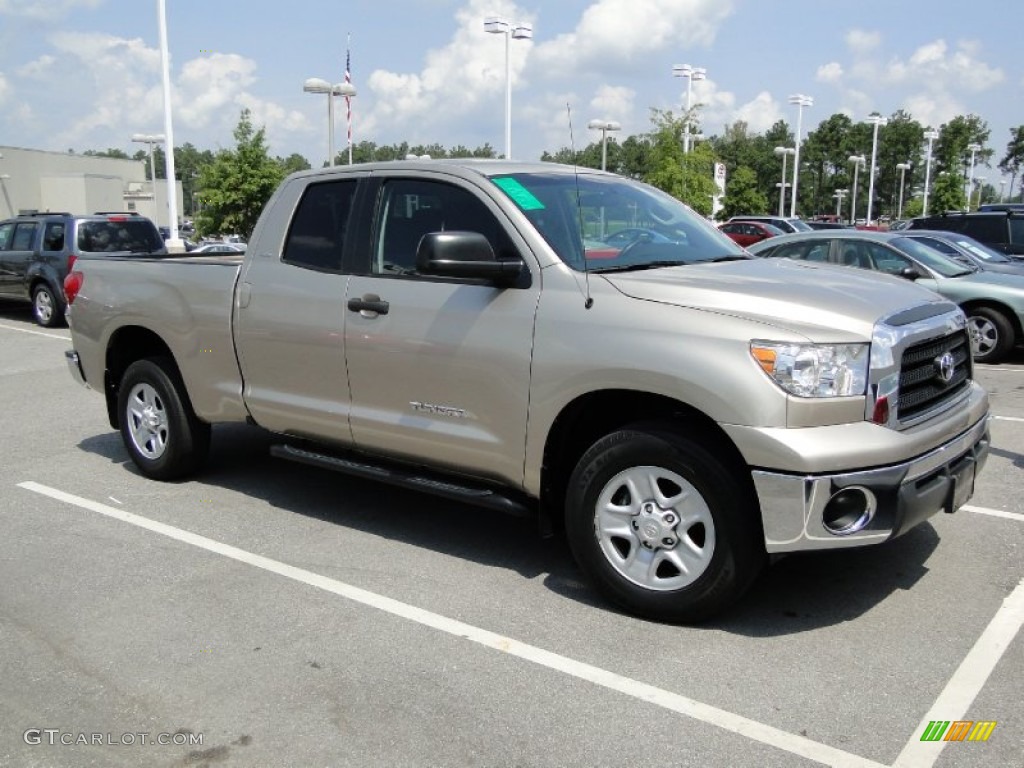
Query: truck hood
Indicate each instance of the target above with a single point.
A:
(797, 296)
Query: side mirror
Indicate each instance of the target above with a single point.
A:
(464, 254)
(909, 273)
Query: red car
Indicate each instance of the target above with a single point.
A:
(749, 232)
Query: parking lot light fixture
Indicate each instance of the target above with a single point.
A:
(858, 163)
(691, 73)
(150, 139)
(604, 126)
(499, 26)
(785, 152)
(877, 121)
(840, 195)
(902, 168)
(319, 85)
(1002, 190)
(931, 136)
(975, 148)
(801, 101)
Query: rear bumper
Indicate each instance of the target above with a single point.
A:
(900, 496)
(75, 367)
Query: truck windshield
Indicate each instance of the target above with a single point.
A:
(609, 223)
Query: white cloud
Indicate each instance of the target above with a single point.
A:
(830, 73)
(613, 102)
(612, 34)
(761, 113)
(40, 68)
(862, 42)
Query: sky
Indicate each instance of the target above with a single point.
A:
(87, 74)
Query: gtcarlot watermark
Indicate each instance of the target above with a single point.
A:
(55, 736)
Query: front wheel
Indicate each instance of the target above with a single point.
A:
(991, 335)
(662, 526)
(164, 437)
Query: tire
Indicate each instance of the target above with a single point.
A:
(164, 437)
(661, 525)
(47, 308)
(991, 335)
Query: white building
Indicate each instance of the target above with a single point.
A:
(33, 180)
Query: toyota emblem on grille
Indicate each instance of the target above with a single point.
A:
(944, 367)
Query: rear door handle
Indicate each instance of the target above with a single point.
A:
(369, 305)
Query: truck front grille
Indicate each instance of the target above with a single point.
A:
(922, 385)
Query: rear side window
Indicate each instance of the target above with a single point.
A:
(5, 234)
(53, 236)
(119, 236)
(1016, 230)
(988, 229)
(316, 238)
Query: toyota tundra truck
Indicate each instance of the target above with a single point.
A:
(556, 342)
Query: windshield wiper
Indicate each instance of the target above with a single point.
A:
(731, 257)
(641, 266)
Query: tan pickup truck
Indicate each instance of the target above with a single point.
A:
(572, 345)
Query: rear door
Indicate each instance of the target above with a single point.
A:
(290, 316)
(16, 258)
(440, 371)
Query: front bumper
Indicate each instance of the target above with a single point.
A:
(75, 367)
(793, 507)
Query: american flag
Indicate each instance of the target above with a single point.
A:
(348, 99)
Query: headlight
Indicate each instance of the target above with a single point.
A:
(815, 370)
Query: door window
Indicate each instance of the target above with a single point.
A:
(316, 238)
(6, 230)
(411, 208)
(24, 236)
(53, 236)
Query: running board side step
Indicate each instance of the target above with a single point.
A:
(413, 478)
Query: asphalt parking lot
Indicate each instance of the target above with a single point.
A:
(272, 614)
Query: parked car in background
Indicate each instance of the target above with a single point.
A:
(1002, 230)
(218, 248)
(749, 232)
(968, 250)
(38, 250)
(625, 237)
(785, 223)
(993, 302)
(818, 224)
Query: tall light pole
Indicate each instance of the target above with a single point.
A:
(7, 197)
(839, 195)
(902, 168)
(604, 126)
(690, 73)
(499, 26)
(1002, 190)
(319, 85)
(931, 135)
(785, 152)
(801, 101)
(877, 121)
(975, 148)
(979, 182)
(151, 139)
(174, 243)
(858, 163)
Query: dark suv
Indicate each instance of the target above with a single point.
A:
(37, 251)
(1002, 230)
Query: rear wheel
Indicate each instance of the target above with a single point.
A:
(164, 437)
(661, 525)
(47, 309)
(991, 334)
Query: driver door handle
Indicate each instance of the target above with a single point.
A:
(370, 305)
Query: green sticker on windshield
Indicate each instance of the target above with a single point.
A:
(520, 195)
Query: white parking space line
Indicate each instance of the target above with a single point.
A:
(34, 333)
(967, 681)
(751, 729)
(1013, 368)
(1007, 418)
(994, 513)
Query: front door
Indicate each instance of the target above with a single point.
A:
(441, 370)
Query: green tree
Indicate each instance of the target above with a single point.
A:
(743, 194)
(1014, 157)
(293, 163)
(947, 193)
(686, 176)
(238, 183)
(119, 154)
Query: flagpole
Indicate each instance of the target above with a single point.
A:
(348, 99)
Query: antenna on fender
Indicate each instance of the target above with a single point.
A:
(588, 300)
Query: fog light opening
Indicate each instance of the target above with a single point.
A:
(849, 511)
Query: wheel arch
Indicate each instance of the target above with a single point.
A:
(1004, 309)
(126, 345)
(591, 416)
